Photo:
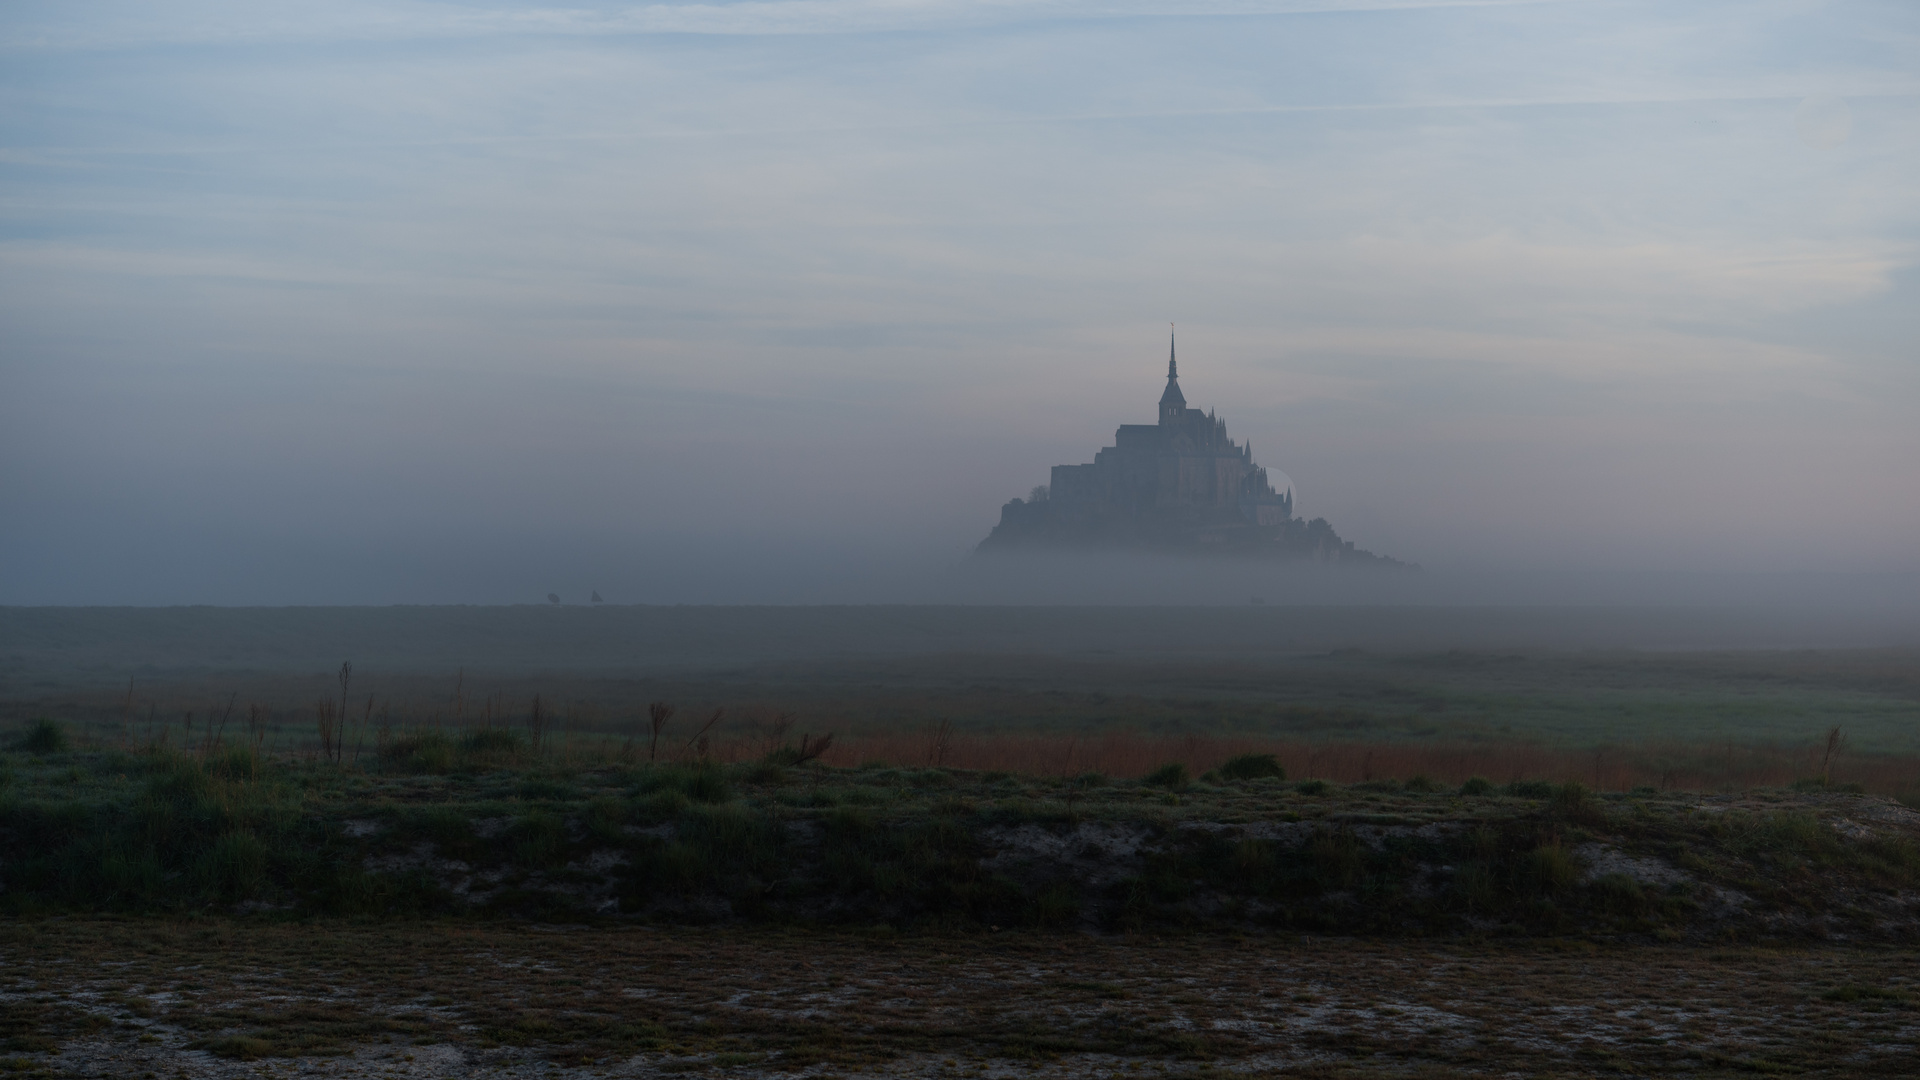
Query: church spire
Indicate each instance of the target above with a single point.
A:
(1172, 402)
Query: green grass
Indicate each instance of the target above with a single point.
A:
(544, 836)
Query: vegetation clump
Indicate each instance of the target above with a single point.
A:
(438, 823)
(1172, 776)
(44, 736)
(1252, 767)
(1530, 789)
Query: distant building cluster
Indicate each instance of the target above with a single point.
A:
(1179, 485)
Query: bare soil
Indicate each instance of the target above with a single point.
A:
(232, 998)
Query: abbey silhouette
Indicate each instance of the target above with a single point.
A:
(1179, 485)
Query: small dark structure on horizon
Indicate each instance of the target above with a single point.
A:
(1181, 485)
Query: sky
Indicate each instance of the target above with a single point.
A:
(410, 302)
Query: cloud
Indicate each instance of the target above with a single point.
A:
(1490, 282)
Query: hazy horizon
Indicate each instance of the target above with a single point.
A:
(780, 301)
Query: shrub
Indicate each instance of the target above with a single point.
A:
(1422, 783)
(1477, 786)
(1530, 789)
(1572, 802)
(1252, 767)
(44, 736)
(1311, 787)
(1172, 776)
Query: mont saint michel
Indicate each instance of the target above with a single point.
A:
(1181, 485)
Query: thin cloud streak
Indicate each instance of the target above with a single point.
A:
(413, 22)
(39, 155)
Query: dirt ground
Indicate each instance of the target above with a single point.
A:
(149, 998)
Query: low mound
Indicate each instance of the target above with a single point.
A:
(500, 831)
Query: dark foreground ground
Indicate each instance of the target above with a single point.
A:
(134, 998)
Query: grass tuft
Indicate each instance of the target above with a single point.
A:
(491, 741)
(44, 736)
(1815, 783)
(234, 763)
(424, 752)
(1551, 868)
(700, 783)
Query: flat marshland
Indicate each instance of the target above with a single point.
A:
(224, 852)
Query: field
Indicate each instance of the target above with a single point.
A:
(1436, 690)
(1005, 842)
